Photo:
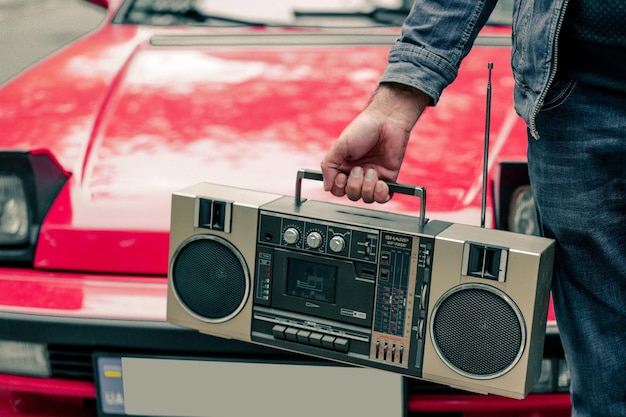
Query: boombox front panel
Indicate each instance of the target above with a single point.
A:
(453, 304)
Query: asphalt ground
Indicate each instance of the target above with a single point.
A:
(32, 29)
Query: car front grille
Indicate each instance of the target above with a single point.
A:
(69, 362)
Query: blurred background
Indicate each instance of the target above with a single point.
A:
(32, 29)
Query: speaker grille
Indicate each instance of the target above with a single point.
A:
(210, 277)
(478, 331)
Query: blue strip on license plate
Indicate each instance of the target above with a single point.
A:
(110, 386)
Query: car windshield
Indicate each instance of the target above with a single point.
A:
(293, 13)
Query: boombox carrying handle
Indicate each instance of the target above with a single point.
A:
(393, 188)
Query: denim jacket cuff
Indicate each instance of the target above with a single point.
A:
(414, 66)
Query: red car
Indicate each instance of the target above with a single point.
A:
(165, 94)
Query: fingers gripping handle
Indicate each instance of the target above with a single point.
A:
(393, 188)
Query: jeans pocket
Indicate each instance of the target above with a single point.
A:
(558, 92)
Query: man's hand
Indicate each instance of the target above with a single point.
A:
(371, 148)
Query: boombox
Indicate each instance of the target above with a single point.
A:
(454, 304)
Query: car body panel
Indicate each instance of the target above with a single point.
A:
(81, 295)
(128, 131)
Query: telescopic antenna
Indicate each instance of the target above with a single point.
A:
(486, 149)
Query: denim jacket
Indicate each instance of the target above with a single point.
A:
(437, 35)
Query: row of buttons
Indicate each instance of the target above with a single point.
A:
(307, 337)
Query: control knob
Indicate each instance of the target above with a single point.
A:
(337, 244)
(291, 236)
(314, 240)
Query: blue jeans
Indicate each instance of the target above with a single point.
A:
(578, 175)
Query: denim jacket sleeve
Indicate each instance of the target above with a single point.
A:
(435, 37)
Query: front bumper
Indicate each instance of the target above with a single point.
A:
(77, 316)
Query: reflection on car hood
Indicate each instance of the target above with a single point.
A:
(135, 122)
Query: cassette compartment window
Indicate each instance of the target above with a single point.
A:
(311, 280)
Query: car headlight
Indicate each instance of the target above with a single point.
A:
(29, 183)
(14, 217)
(563, 377)
(523, 213)
(554, 376)
(24, 358)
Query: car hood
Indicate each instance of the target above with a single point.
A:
(146, 115)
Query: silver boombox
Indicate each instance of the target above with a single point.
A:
(449, 303)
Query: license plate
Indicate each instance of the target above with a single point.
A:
(166, 387)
